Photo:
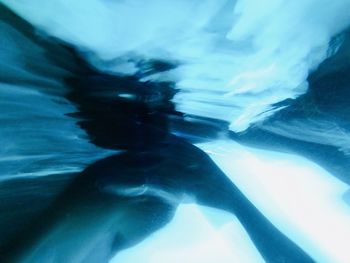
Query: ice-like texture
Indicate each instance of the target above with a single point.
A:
(195, 235)
(235, 58)
(300, 198)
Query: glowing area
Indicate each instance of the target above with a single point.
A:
(235, 58)
(300, 198)
(195, 235)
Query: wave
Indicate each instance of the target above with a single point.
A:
(234, 58)
(315, 125)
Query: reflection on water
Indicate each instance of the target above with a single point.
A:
(126, 154)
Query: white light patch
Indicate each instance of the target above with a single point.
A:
(195, 235)
(259, 52)
(300, 198)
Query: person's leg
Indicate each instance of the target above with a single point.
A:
(198, 176)
(88, 223)
(133, 194)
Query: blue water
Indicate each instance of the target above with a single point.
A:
(187, 131)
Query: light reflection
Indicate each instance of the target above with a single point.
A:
(196, 234)
(300, 198)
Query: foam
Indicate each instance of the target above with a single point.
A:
(261, 52)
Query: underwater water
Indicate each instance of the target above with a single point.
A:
(174, 131)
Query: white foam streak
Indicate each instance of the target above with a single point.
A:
(262, 51)
(319, 130)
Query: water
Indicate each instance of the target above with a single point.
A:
(188, 131)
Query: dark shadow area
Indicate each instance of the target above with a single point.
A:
(120, 200)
